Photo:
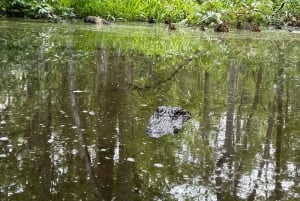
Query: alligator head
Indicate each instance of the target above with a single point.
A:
(167, 120)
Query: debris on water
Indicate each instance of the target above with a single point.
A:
(92, 113)
(74, 151)
(130, 159)
(3, 139)
(79, 91)
(2, 155)
(159, 165)
(50, 141)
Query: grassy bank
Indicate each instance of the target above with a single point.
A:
(135, 10)
(192, 11)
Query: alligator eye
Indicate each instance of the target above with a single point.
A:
(175, 131)
(161, 109)
(180, 112)
(189, 115)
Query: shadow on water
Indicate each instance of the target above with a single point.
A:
(76, 99)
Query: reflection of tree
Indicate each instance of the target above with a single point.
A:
(276, 118)
(233, 72)
(77, 120)
(163, 81)
(248, 127)
(228, 152)
(106, 98)
(81, 136)
(112, 74)
(206, 105)
(266, 153)
(279, 133)
(239, 114)
(256, 97)
(38, 130)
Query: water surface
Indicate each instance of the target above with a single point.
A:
(75, 101)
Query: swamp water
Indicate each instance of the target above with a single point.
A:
(75, 101)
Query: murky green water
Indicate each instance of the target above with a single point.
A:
(75, 101)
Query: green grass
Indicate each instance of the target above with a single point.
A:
(134, 10)
(205, 12)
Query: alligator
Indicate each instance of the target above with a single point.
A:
(167, 120)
